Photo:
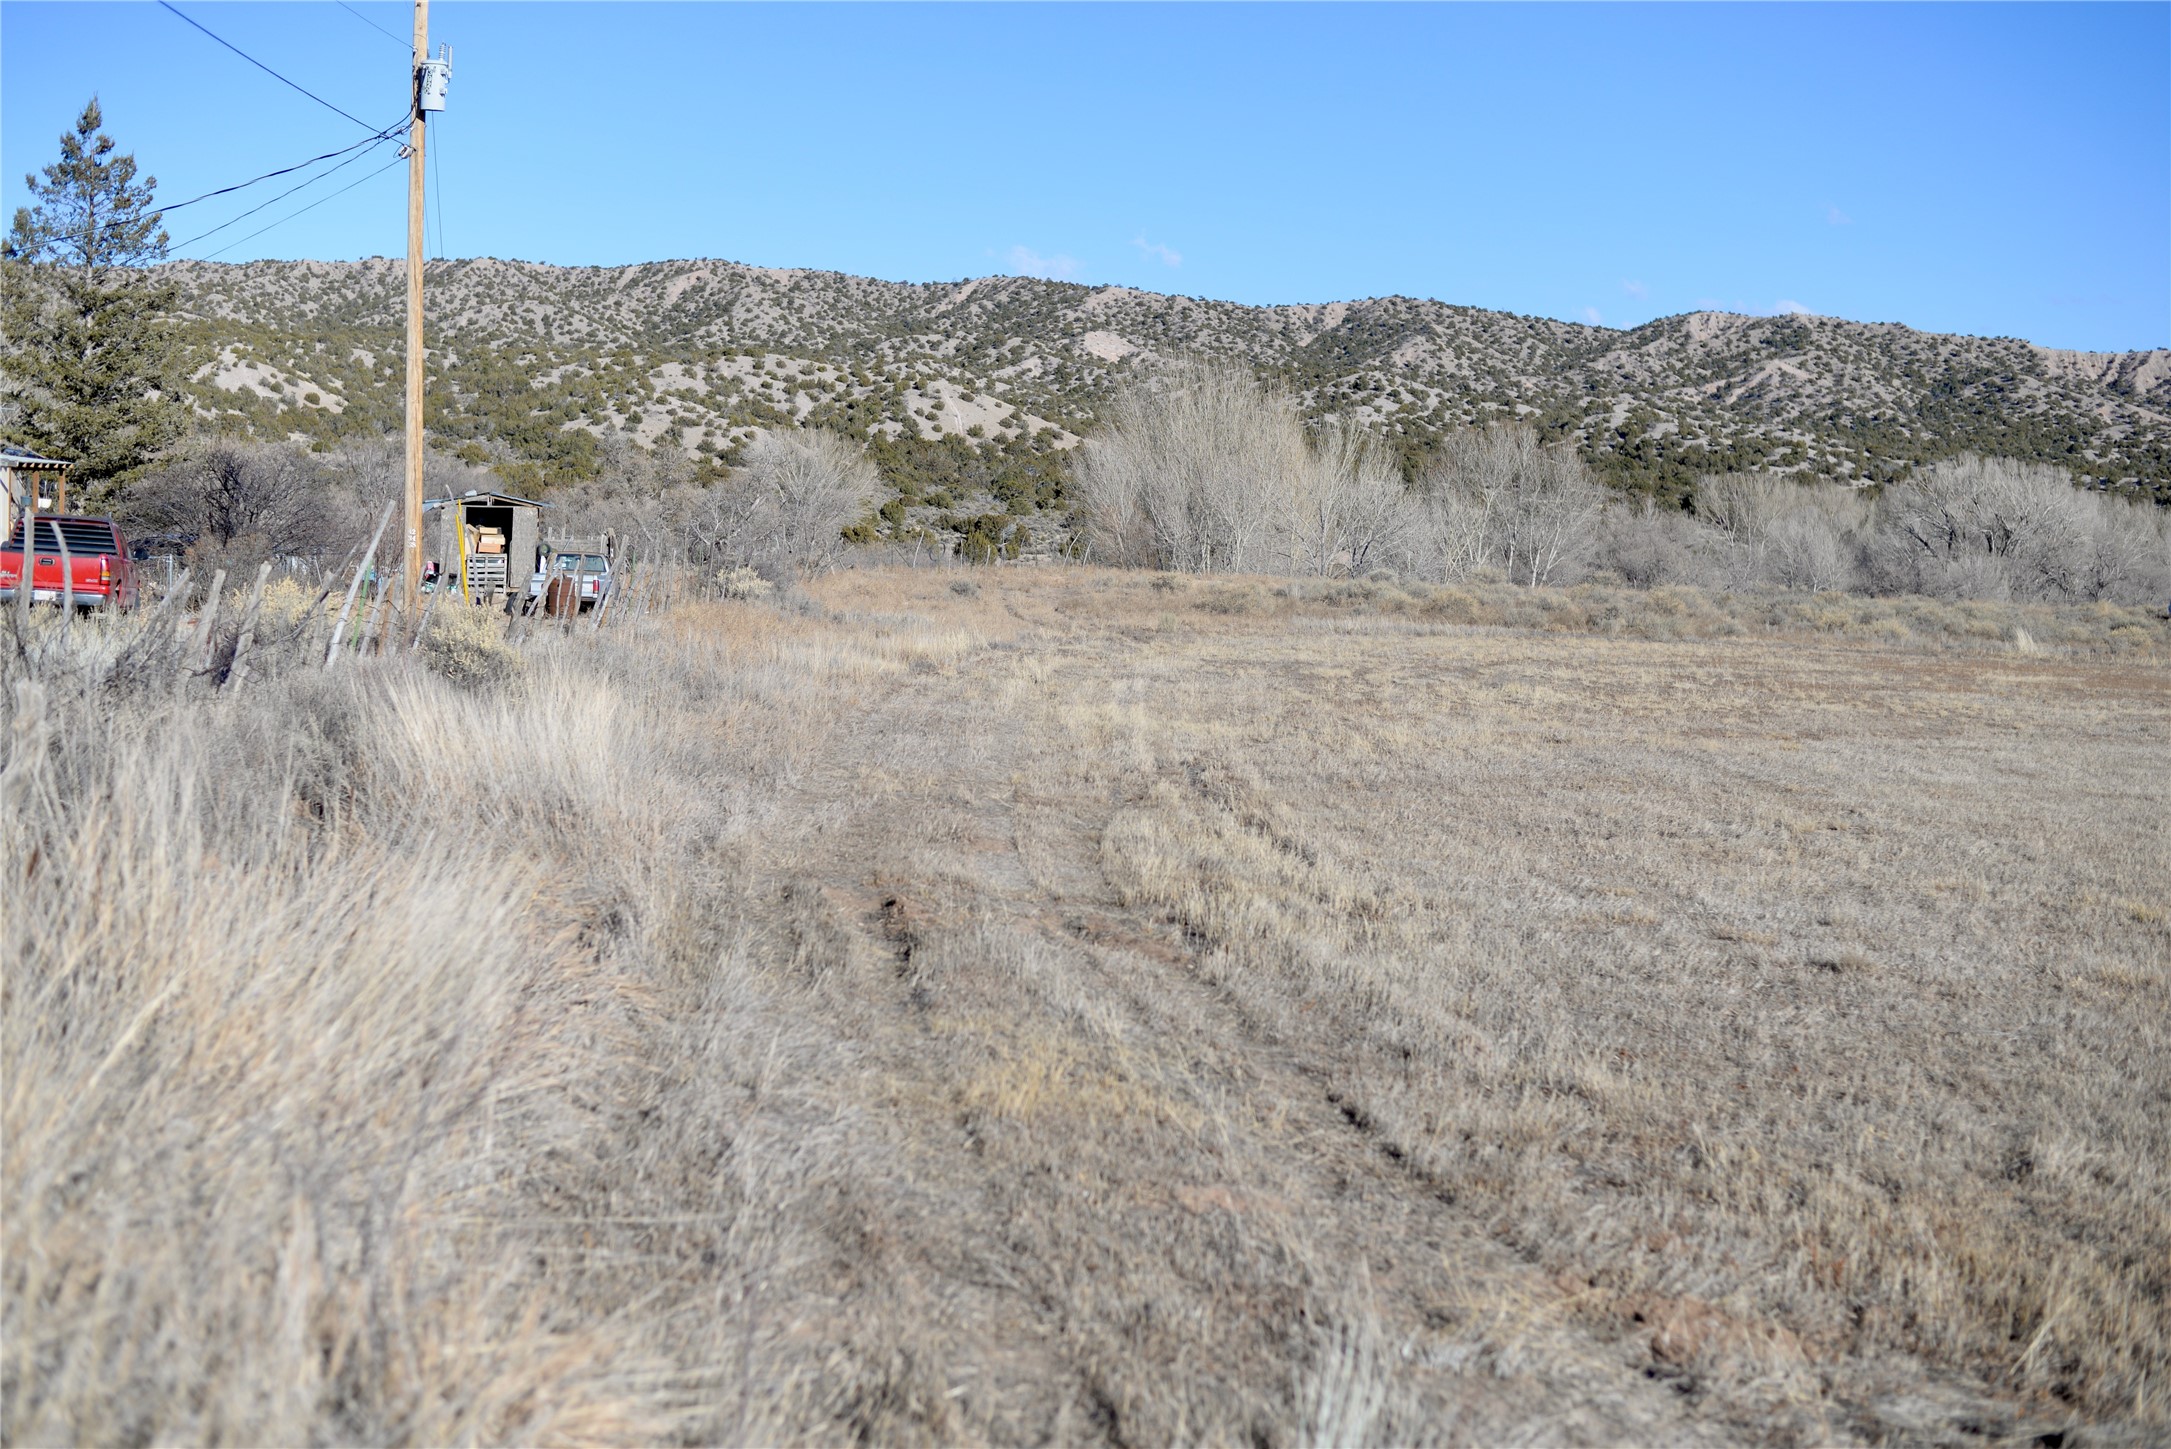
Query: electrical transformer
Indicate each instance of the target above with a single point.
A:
(432, 76)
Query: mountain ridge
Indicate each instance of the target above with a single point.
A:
(616, 349)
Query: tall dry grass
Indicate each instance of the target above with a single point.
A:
(383, 1056)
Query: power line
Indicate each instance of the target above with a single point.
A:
(165, 4)
(384, 134)
(379, 140)
(388, 35)
(387, 134)
(282, 221)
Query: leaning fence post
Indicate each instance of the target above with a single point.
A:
(423, 627)
(176, 597)
(67, 577)
(376, 614)
(603, 606)
(331, 654)
(197, 660)
(28, 523)
(238, 673)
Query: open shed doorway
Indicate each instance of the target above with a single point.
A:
(487, 540)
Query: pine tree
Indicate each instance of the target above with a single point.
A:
(89, 359)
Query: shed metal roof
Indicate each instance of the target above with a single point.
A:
(13, 455)
(488, 498)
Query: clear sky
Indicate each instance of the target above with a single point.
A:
(1999, 170)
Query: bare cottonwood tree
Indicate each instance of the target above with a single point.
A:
(1780, 531)
(1997, 528)
(783, 512)
(1498, 497)
(1647, 544)
(1200, 468)
(1353, 513)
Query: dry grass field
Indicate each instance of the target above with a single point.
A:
(1059, 1005)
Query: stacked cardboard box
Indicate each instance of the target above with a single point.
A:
(485, 540)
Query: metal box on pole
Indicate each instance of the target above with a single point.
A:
(432, 77)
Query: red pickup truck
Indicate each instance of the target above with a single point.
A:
(101, 575)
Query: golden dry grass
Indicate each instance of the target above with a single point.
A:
(1093, 1008)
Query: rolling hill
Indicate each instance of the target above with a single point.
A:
(535, 364)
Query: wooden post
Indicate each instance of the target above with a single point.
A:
(376, 617)
(331, 654)
(176, 600)
(417, 129)
(27, 582)
(195, 662)
(603, 605)
(424, 627)
(176, 594)
(157, 629)
(238, 672)
(67, 576)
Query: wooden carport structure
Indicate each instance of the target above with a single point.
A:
(27, 475)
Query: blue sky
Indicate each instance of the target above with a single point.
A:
(2000, 170)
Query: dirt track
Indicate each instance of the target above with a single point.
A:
(1151, 1216)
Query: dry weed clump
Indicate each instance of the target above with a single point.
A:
(286, 603)
(743, 583)
(467, 644)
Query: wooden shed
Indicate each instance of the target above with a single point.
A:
(484, 544)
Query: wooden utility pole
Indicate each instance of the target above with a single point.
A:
(417, 128)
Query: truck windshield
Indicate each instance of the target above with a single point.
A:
(575, 563)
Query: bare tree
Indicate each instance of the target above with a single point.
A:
(1646, 545)
(236, 499)
(1499, 497)
(1779, 531)
(1998, 528)
(1200, 468)
(1187, 469)
(1353, 511)
(784, 512)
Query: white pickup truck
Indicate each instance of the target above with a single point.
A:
(592, 571)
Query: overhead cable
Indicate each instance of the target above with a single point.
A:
(290, 170)
(282, 221)
(377, 140)
(388, 35)
(167, 4)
